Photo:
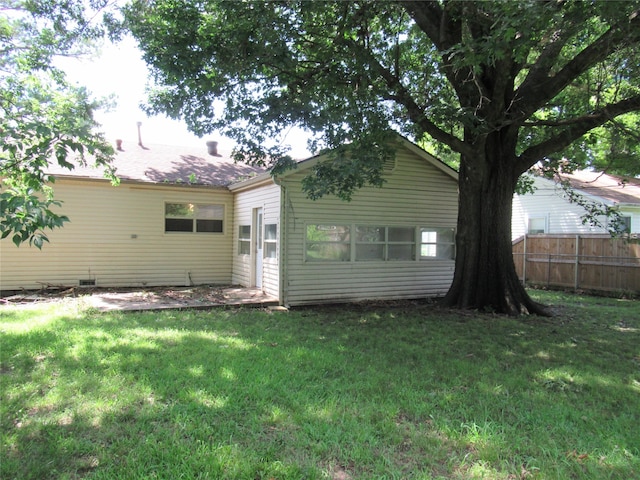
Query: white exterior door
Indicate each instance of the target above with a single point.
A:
(259, 241)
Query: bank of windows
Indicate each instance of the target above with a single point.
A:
(193, 217)
(344, 243)
(270, 240)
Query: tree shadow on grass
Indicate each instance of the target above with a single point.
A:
(320, 393)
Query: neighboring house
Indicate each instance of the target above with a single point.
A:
(548, 209)
(180, 218)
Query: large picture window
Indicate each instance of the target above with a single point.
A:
(192, 217)
(328, 243)
(385, 243)
(371, 243)
(437, 243)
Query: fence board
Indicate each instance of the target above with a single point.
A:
(587, 262)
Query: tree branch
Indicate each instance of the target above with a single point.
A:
(556, 41)
(576, 128)
(541, 87)
(402, 96)
(445, 33)
(431, 18)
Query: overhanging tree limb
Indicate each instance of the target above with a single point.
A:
(576, 129)
(43, 118)
(445, 31)
(399, 94)
(539, 89)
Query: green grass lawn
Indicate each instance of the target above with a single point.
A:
(351, 392)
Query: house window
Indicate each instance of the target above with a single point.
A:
(537, 225)
(244, 240)
(437, 243)
(270, 240)
(191, 217)
(328, 243)
(625, 224)
(385, 243)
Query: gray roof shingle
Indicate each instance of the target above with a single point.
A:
(610, 187)
(168, 164)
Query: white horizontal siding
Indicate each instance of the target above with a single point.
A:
(561, 216)
(116, 237)
(415, 194)
(245, 202)
(370, 280)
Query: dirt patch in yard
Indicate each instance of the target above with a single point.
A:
(152, 298)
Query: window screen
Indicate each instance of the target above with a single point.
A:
(190, 217)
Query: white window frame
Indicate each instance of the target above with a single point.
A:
(436, 243)
(198, 211)
(244, 242)
(270, 248)
(443, 246)
(385, 243)
(531, 231)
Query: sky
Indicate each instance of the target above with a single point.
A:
(120, 70)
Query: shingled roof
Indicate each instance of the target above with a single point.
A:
(618, 190)
(169, 164)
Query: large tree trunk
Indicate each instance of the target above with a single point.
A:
(485, 276)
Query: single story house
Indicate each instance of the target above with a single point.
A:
(183, 217)
(549, 210)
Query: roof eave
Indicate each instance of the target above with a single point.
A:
(128, 181)
(259, 180)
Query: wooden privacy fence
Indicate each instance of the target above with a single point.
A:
(588, 262)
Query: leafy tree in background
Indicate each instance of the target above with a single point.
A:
(506, 85)
(42, 117)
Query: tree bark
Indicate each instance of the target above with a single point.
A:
(485, 275)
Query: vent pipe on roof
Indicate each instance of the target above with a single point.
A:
(119, 145)
(212, 148)
(139, 124)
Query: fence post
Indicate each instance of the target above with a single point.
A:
(549, 269)
(524, 261)
(576, 282)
